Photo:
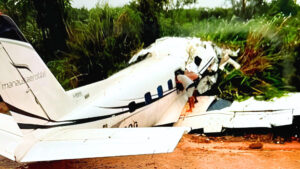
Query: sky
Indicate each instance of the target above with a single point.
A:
(92, 3)
(117, 3)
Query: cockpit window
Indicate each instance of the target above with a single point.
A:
(9, 30)
(141, 57)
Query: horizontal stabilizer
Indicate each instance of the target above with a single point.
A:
(10, 136)
(90, 143)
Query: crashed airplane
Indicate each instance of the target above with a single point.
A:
(113, 117)
(213, 114)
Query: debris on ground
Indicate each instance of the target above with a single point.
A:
(256, 146)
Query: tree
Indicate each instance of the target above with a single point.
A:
(150, 10)
(248, 8)
(179, 4)
(51, 18)
(20, 11)
(287, 7)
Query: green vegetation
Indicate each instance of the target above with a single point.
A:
(82, 46)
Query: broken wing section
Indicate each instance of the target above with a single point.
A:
(90, 143)
(247, 114)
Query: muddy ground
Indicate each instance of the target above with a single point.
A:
(195, 151)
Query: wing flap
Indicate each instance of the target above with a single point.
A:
(91, 143)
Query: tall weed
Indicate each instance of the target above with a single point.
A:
(103, 44)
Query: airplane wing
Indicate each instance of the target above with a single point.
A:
(247, 114)
(90, 143)
(216, 121)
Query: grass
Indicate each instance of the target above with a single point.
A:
(266, 47)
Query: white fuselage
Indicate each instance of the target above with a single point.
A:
(122, 100)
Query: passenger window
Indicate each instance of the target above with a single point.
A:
(148, 98)
(160, 91)
(170, 84)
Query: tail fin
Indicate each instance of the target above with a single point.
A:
(27, 86)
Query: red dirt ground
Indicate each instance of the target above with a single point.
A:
(193, 152)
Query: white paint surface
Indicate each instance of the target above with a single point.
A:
(89, 143)
(247, 114)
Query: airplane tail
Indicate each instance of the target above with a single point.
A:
(27, 86)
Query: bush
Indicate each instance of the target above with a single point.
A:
(103, 44)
